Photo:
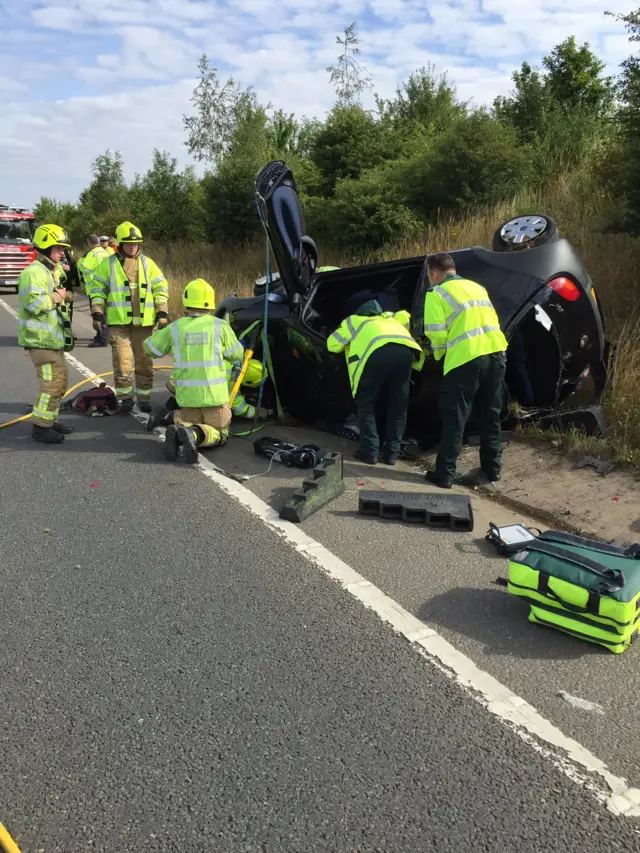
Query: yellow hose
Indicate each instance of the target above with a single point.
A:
(247, 358)
(7, 843)
(70, 391)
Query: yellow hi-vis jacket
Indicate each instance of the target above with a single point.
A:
(109, 285)
(461, 323)
(87, 265)
(359, 337)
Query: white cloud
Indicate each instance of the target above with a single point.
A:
(122, 72)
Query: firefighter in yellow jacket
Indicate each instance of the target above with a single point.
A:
(134, 293)
(201, 345)
(44, 329)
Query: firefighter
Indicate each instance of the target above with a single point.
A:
(200, 344)
(87, 264)
(134, 293)
(380, 354)
(44, 329)
(462, 327)
(240, 407)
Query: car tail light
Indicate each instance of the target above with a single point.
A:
(565, 287)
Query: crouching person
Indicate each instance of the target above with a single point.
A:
(200, 344)
(380, 354)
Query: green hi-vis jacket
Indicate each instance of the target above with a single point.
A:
(88, 265)
(110, 286)
(200, 345)
(42, 324)
(359, 336)
(461, 323)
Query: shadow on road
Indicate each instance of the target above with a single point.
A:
(499, 622)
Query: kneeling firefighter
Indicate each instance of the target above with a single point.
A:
(380, 354)
(240, 407)
(44, 329)
(200, 344)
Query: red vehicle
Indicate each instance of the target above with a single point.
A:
(17, 225)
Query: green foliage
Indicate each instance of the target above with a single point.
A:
(368, 178)
(166, 203)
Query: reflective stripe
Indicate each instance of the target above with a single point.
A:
(34, 324)
(144, 392)
(238, 348)
(126, 390)
(363, 357)
(156, 280)
(351, 328)
(120, 304)
(199, 383)
(44, 298)
(458, 308)
(472, 333)
(464, 306)
(344, 341)
(436, 327)
(451, 300)
(216, 361)
(100, 279)
(154, 349)
(47, 372)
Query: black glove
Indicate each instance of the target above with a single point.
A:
(162, 319)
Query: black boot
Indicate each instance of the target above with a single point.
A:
(171, 444)
(145, 407)
(61, 429)
(97, 342)
(189, 440)
(47, 435)
(126, 406)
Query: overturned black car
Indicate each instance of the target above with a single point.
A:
(544, 298)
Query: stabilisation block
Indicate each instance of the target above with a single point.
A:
(452, 512)
(324, 484)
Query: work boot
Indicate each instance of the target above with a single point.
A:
(97, 343)
(147, 408)
(47, 435)
(476, 477)
(159, 417)
(126, 406)
(189, 442)
(171, 444)
(433, 478)
(61, 429)
(368, 460)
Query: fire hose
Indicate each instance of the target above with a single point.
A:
(74, 388)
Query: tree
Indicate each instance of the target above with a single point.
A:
(574, 78)
(167, 203)
(56, 212)
(348, 76)
(527, 105)
(107, 192)
(426, 100)
(218, 106)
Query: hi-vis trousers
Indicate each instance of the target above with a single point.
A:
(129, 359)
(214, 422)
(53, 377)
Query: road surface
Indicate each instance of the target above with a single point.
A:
(181, 674)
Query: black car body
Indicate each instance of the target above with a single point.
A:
(543, 296)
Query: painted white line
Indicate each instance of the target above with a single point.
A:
(573, 759)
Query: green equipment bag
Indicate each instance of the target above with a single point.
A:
(584, 588)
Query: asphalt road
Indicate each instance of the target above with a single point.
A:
(176, 677)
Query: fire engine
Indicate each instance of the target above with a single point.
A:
(17, 225)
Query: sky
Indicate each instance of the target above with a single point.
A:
(78, 77)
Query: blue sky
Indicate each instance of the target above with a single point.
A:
(80, 76)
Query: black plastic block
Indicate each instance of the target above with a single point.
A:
(452, 512)
(324, 484)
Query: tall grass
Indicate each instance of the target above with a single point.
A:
(612, 261)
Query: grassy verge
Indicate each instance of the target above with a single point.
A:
(612, 260)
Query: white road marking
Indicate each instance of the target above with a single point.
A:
(573, 759)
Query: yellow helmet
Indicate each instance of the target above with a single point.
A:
(127, 232)
(199, 294)
(253, 375)
(47, 236)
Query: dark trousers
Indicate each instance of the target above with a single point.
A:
(102, 337)
(383, 398)
(478, 382)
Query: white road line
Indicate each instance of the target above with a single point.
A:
(573, 759)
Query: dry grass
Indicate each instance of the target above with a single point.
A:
(612, 260)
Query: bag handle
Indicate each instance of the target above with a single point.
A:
(593, 602)
(614, 579)
(562, 538)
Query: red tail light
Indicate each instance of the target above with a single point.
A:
(566, 288)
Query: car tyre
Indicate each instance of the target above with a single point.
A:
(525, 232)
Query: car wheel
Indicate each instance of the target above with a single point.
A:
(525, 232)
